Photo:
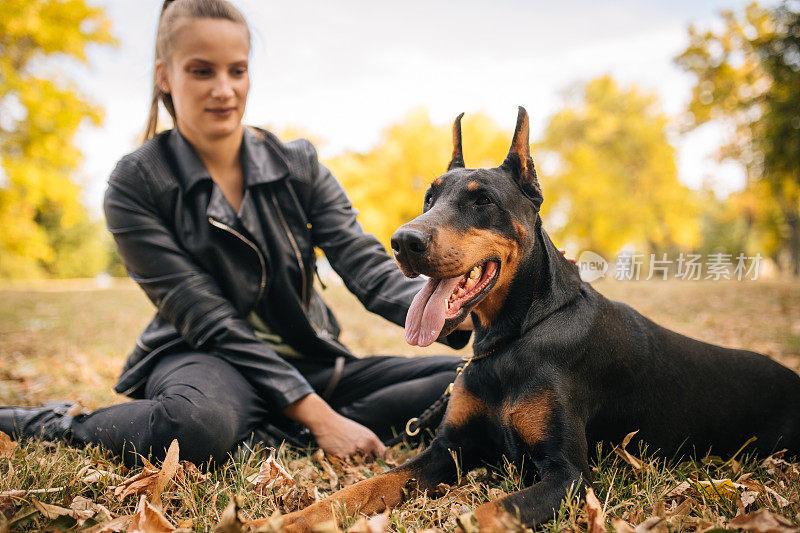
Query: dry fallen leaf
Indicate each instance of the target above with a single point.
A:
(85, 509)
(81, 509)
(763, 521)
(19, 493)
(653, 524)
(137, 484)
(780, 500)
(190, 472)
(92, 475)
(677, 490)
(319, 457)
(7, 445)
(594, 511)
(148, 519)
(230, 521)
(329, 526)
(716, 489)
(375, 524)
(113, 526)
(623, 453)
(168, 469)
(270, 476)
(271, 524)
(49, 511)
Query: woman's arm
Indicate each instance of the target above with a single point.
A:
(334, 433)
(358, 257)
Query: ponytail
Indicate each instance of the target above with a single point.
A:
(171, 12)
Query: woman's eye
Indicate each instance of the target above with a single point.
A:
(201, 71)
(483, 200)
(240, 71)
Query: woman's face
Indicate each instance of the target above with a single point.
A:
(207, 77)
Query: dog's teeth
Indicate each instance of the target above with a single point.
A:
(461, 291)
(474, 274)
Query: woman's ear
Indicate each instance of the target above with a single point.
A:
(162, 80)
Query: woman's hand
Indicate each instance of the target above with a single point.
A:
(334, 433)
(343, 437)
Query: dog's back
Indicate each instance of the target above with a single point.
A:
(682, 393)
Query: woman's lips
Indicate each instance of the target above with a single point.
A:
(221, 111)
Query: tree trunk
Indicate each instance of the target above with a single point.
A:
(793, 219)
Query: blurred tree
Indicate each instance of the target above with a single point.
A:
(387, 183)
(748, 77)
(614, 180)
(46, 230)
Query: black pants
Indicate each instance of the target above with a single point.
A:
(210, 408)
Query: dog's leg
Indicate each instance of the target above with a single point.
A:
(555, 438)
(536, 504)
(433, 466)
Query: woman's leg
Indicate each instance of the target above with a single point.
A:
(383, 392)
(194, 397)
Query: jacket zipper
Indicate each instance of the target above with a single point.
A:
(224, 227)
(296, 249)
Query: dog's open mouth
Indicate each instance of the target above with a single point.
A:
(444, 302)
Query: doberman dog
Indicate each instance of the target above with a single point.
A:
(557, 368)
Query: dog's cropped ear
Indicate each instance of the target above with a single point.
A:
(519, 161)
(457, 161)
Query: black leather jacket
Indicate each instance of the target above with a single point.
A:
(206, 269)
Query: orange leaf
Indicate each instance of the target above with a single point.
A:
(597, 521)
(763, 521)
(270, 476)
(168, 469)
(623, 453)
(7, 445)
(148, 519)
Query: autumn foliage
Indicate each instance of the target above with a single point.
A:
(46, 229)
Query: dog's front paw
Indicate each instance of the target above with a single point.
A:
(488, 517)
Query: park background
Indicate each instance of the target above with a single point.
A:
(657, 128)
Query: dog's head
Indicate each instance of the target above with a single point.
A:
(474, 228)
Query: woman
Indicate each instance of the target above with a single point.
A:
(217, 223)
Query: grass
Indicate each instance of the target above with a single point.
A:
(68, 340)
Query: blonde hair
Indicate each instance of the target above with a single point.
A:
(171, 12)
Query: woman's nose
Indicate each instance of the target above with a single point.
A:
(223, 88)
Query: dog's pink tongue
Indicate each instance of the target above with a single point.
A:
(425, 318)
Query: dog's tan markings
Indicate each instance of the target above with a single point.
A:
(453, 253)
(437, 182)
(491, 517)
(521, 233)
(487, 244)
(369, 496)
(463, 406)
(473, 186)
(531, 417)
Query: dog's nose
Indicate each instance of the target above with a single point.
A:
(411, 241)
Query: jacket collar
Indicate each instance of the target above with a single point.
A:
(260, 164)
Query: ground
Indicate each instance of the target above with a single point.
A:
(67, 340)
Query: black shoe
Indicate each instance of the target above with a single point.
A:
(48, 422)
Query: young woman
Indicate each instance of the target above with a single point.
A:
(217, 223)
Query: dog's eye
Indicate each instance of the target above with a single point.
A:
(428, 198)
(483, 200)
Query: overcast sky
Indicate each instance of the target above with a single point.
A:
(345, 69)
